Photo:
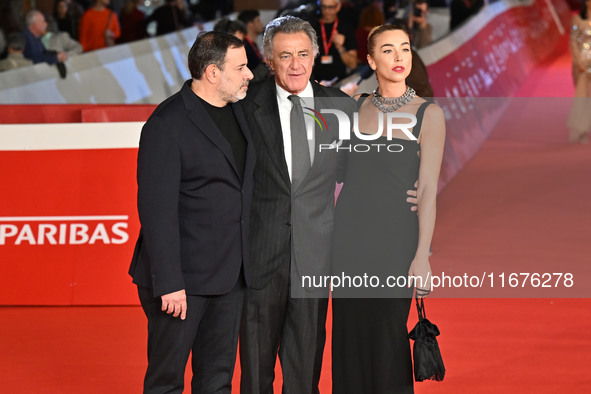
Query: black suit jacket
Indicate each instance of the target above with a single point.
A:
(193, 207)
(291, 227)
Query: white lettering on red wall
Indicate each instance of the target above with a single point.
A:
(64, 230)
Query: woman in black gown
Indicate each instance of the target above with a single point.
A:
(375, 231)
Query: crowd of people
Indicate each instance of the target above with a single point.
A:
(342, 30)
(78, 25)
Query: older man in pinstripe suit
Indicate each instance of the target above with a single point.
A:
(292, 215)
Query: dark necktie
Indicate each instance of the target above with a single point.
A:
(300, 149)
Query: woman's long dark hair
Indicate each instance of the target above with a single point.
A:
(584, 10)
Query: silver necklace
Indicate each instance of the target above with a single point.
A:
(386, 105)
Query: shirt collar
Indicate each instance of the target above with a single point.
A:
(282, 94)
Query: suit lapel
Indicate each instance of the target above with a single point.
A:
(322, 133)
(269, 125)
(250, 152)
(205, 124)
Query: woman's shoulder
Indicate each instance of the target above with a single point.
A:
(576, 20)
(419, 103)
(434, 111)
(430, 104)
(432, 114)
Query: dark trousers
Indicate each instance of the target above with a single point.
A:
(210, 331)
(274, 323)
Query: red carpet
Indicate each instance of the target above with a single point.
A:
(523, 201)
(490, 346)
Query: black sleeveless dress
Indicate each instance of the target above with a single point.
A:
(376, 235)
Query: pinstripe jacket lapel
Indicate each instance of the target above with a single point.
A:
(267, 118)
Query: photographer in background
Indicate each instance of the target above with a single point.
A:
(59, 41)
(462, 10)
(15, 59)
(235, 28)
(254, 27)
(421, 31)
(34, 49)
(170, 17)
(338, 44)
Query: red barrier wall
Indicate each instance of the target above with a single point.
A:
(68, 218)
(496, 60)
(73, 113)
(52, 250)
(492, 64)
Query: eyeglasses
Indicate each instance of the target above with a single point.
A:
(328, 7)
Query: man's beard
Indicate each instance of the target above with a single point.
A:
(235, 96)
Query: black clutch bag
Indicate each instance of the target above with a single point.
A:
(428, 364)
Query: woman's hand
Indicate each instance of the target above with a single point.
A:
(421, 269)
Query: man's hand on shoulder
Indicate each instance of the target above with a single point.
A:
(350, 88)
(412, 197)
(175, 303)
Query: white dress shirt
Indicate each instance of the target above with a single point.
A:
(307, 97)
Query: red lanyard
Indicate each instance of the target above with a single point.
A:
(328, 44)
(252, 44)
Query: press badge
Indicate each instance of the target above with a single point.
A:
(326, 59)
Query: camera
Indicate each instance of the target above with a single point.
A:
(418, 12)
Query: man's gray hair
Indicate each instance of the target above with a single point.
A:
(288, 25)
(31, 16)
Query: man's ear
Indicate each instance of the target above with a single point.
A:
(270, 64)
(212, 73)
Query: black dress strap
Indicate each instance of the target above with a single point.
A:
(420, 112)
(362, 99)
